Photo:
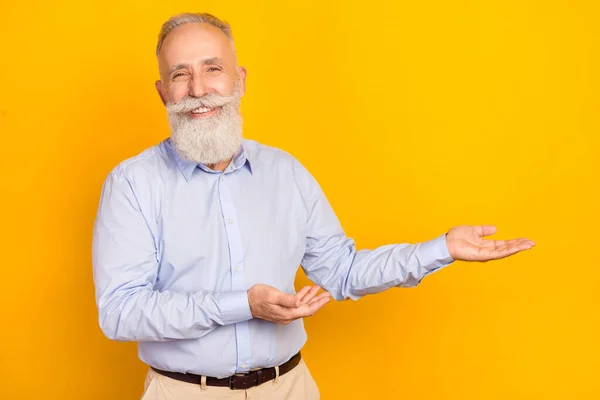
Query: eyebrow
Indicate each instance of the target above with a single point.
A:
(213, 61)
(209, 61)
(177, 67)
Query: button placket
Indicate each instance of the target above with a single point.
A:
(236, 258)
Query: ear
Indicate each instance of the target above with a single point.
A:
(161, 92)
(242, 77)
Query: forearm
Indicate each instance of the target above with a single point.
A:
(347, 273)
(402, 265)
(149, 315)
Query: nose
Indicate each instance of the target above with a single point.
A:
(198, 87)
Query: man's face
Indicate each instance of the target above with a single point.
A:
(201, 86)
(196, 59)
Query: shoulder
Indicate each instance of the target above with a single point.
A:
(271, 158)
(278, 164)
(152, 162)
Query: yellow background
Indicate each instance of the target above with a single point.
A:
(414, 116)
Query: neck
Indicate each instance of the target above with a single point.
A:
(220, 166)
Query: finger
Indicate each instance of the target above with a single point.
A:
(280, 314)
(317, 305)
(302, 292)
(493, 243)
(485, 230)
(523, 240)
(284, 315)
(285, 299)
(520, 243)
(500, 243)
(504, 250)
(310, 295)
(307, 310)
(324, 295)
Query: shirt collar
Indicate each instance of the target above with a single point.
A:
(187, 167)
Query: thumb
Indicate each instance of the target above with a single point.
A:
(288, 300)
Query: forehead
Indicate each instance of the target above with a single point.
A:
(193, 42)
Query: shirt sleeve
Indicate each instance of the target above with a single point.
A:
(332, 261)
(125, 268)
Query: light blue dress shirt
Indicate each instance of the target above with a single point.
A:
(177, 245)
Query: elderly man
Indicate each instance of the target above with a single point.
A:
(197, 240)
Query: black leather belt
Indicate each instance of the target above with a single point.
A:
(241, 382)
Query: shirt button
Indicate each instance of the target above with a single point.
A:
(243, 365)
(230, 221)
(237, 269)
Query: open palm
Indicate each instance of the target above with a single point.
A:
(466, 243)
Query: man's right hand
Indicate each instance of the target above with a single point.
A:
(271, 304)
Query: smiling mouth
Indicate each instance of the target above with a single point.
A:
(203, 112)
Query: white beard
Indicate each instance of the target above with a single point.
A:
(211, 139)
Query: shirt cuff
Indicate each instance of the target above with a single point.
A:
(435, 252)
(234, 307)
(435, 255)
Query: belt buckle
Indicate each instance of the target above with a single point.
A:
(243, 382)
(232, 382)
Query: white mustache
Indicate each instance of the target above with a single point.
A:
(209, 100)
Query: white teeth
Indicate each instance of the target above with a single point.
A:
(201, 110)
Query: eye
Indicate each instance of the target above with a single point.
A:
(179, 75)
(213, 69)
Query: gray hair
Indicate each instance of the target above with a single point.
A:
(188, 18)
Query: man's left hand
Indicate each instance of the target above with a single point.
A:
(467, 243)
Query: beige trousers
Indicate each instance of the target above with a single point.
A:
(297, 384)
